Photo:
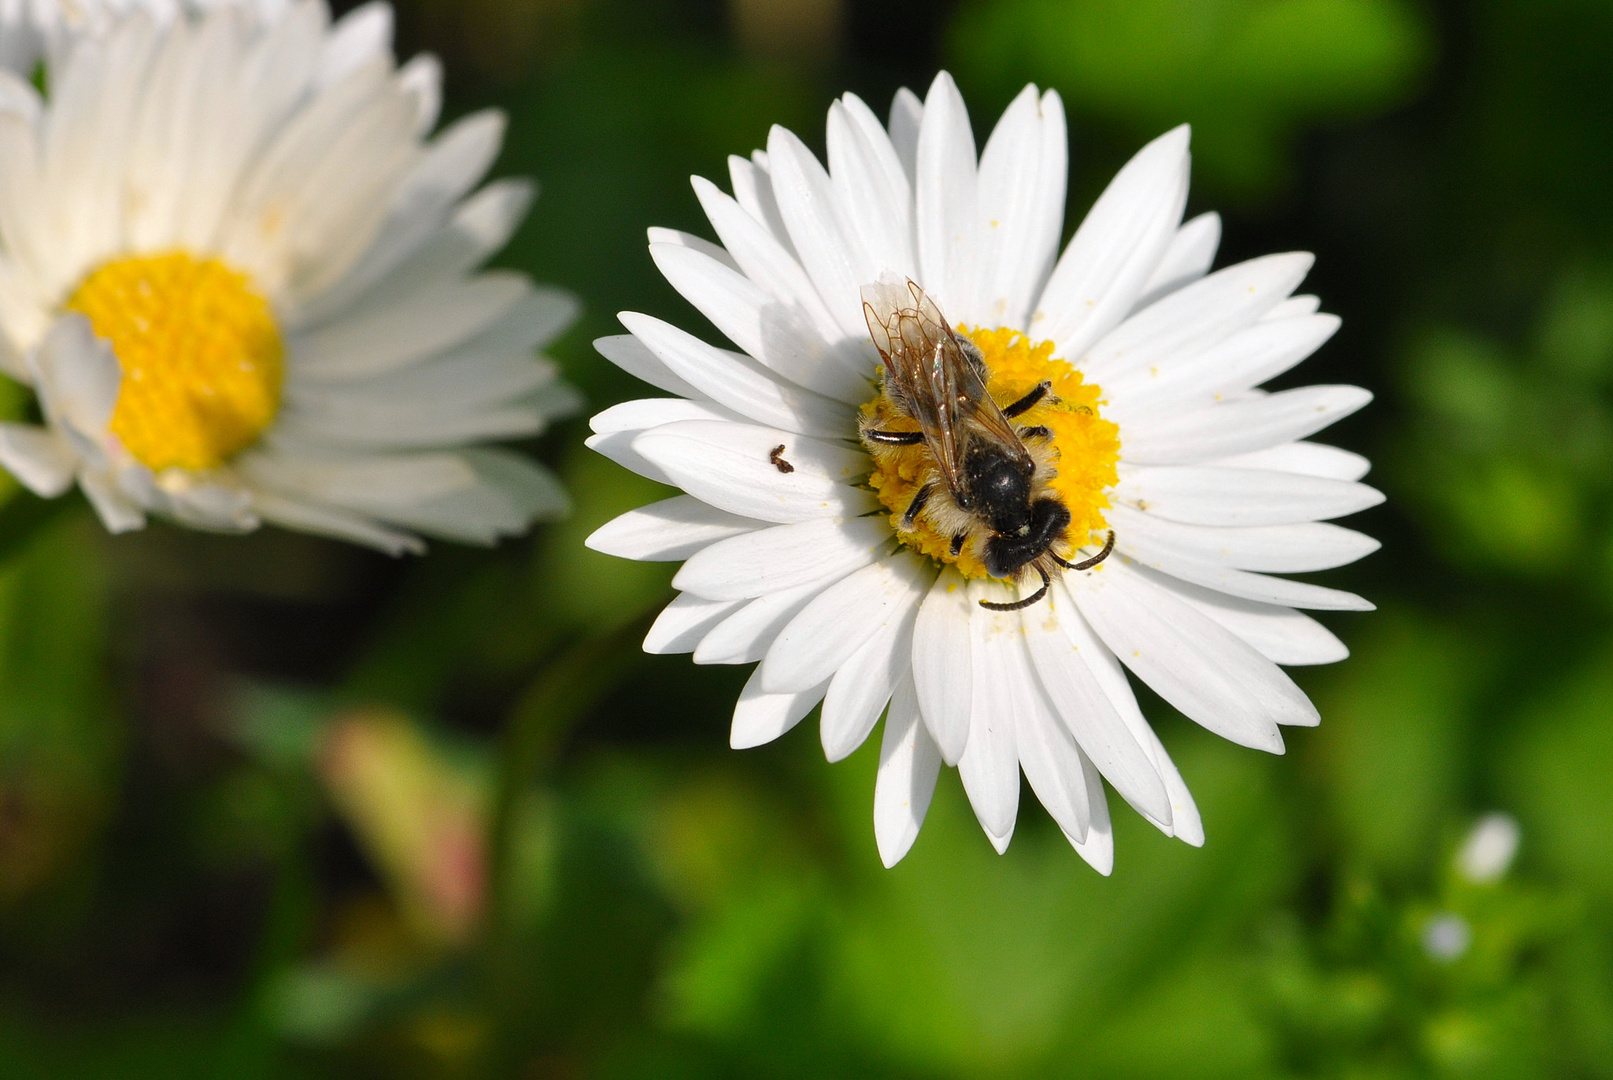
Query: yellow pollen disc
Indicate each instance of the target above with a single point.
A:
(1081, 456)
(201, 356)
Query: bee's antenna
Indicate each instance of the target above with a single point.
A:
(1047, 583)
(1108, 550)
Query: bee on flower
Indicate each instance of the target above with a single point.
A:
(957, 479)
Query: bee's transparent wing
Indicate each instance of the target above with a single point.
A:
(934, 377)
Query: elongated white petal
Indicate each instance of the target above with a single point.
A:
(1188, 258)
(1244, 360)
(830, 250)
(778, 334)
(1196, 317)
(1085, 709)
(989, 767)
(863, 686)
(1183, 821)
(907, 115)
(873, 192)
(1047, 753)
(1205, 671)
(1283, 549)
(763, 257)
(942, 670)
(946, 211)
(39, 457)
(909, 763)
(684, 622)
(1240, 427)
(760, 472)
(1282, 635)
(1204, 495)
(753, 190)
(1098, 849)
(1303, 458)
(841, 618)
(737, 382)
(745, 636)
(634, 357)
(1258, 587)
(785, 557)
(760, 717)
(1116, 249)
(668, 531)
(1021, 208)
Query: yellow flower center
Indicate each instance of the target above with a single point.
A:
(201, 356)
(1081, 456)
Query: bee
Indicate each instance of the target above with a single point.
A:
(984, 486)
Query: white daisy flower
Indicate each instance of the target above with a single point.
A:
(824, 529)
(244, 284)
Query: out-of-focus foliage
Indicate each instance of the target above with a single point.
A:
(271, 807)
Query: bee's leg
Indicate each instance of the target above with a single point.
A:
(957, 543)
(1029, 401)
(1036, 432)
(895, 438)
(1047, 583)
(1108, 549)
(916, 507)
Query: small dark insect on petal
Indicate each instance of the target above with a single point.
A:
(778, 462)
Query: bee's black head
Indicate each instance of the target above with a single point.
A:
(999, 489)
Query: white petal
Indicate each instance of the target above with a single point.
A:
(1188, 258)
(321, 520)
(780, 335)
(1114, 252)
(39, 457)
(363, 34)
(841, 618)
(1205, 495)
(873, 191)
(946, 215)
(667, 531)
(117, 511)
(760, 472)
(77, 376)
(746, 635)
(907, 116)
(1211, 676)
(1022, 178)
(1183, 822)
(1304, 458)
(739, 383)
(1098, 849)
(830, 251)
(784, 557)
(1196, 317)
(1281, 549)
(942, 670)
(678, 238)
(634, 357)
(760, 717)
(1282, 635)
(1085, 709)
(1194, 379)
(989, 767)
(909, 763)
(1046, 751)
(682, 623)
(863, 685)
(617, 427)
(753, 189)
(763, 257)
(1261, 587)
(1239, 427)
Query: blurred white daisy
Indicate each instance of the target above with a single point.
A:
(244, 284)
(800, 548)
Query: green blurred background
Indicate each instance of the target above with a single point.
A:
(274, 807)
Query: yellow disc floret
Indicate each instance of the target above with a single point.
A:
(1078, 461)
(201, 356)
